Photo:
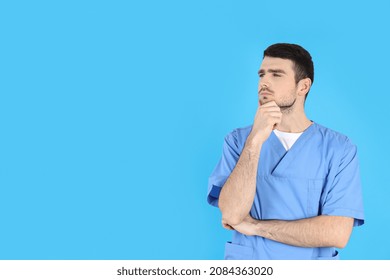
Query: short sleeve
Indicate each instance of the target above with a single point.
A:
(344, 197)
(225, 166)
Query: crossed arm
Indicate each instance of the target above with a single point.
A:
(236, 199)
(320, 231)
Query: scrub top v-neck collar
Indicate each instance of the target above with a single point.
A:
(287, 157)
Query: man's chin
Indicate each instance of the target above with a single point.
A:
(264, 100)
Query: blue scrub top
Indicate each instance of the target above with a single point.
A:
(319, 175)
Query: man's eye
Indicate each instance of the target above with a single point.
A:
(261, 75)
(276, 75)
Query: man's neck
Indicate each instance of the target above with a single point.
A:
(294, 122)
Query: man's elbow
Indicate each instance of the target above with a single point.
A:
(231, 220)
(342, 241)
(342, 237)
(230, 217)
(340, 230)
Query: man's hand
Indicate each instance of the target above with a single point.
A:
(267, 117)
(247, 226)
(226, 226)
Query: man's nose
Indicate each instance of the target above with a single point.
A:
(263, 85)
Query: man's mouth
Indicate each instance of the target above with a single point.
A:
(265, 93)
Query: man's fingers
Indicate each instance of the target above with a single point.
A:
(270, 108)
(274, 120)
(275, 114)
(269, 104)
(227, 226)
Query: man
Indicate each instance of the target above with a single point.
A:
(288, 187)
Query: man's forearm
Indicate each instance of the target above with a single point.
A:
(320, 231)
(237, 195)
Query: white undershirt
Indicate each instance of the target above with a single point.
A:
(286, 138)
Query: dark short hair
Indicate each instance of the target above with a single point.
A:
(301, 58)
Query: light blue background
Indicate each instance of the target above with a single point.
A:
(113, 113)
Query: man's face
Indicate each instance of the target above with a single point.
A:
(277, 82)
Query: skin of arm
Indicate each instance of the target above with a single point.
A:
(236, 198)
(319, 231)
(237, 195)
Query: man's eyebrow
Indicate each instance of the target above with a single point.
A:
(262, 71)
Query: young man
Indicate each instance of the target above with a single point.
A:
(288, 187)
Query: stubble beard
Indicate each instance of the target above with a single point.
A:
(286, 107)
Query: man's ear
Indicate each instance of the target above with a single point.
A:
(304, 86)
